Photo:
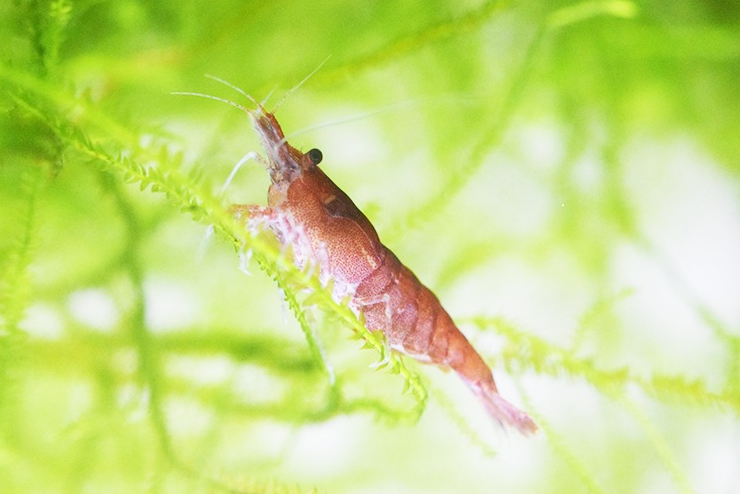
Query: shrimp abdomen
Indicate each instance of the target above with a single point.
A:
(394, 301)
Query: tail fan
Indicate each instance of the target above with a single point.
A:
(504, 412)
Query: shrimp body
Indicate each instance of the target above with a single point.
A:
(323, 226)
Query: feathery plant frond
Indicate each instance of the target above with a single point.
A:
(16, 286)
(46, 21)
(154, 166)
(525, 351)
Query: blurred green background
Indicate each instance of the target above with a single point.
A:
(564, 175)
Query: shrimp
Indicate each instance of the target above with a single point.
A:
(307, 211)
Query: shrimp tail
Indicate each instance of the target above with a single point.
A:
(453, 350)
(502, 411)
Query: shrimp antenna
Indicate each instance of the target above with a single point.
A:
(209, 96)
(264, 100)
(352, 118)
(293, 89)
(234, 87)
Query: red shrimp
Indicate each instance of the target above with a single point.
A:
(322, 225)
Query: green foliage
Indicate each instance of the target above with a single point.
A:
(564, 175)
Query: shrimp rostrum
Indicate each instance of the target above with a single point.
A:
(322, 225)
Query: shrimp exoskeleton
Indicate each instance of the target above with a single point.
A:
(322, 224)
(347, 248)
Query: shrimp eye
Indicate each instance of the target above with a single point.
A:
(315, 156)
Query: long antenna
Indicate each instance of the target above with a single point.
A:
(234, 87)
(292, 90)
(352, 118)
(209, 96)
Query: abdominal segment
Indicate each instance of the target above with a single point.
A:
(394, 301)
